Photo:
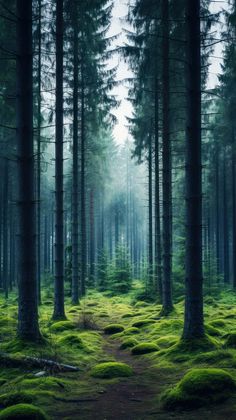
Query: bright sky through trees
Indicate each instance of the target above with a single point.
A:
(118, 25)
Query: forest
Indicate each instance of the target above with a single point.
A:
(117, 209)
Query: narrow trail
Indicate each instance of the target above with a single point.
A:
(130, 398)
(136, 397)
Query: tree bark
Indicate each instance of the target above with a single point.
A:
(27, 303)
(5, 229)
(59, 311)
(39, 155)
(75, 179)
(158, 257)
(193, 321)
(150, 221)
(234, 208)
(166, 157)
(83, 203)
(225, 222)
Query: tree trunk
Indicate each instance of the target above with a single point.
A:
(39, 156)
(234, 209)
(83, 203)
(217, 211)
(59, 311)
(75, 175)
(5, 229)
(92, 238)
(193, 321)
(27, 303)
(225, 221)
(166, 157)
(158, 272)
(150, 230)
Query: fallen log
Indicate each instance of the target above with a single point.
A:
(35, 362)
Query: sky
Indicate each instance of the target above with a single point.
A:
(120, 132)
(118, 24)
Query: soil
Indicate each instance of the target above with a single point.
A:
(136, 397)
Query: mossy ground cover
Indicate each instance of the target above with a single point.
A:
(81, 341)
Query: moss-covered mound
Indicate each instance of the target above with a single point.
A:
(132, 330)
(214, 332)
(113, 329)
(23, 412)
(144, 348)
(218, 323)
(72, 340)
(45, 383)
(61, 326)
(128, 343)
(231, 340)
(219, 357)
(143, 323)
(167, 341)
(199, 387)
(15, 398)
(205, 343)
(110, 370)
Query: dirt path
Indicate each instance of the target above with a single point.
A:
(136, 397)
(130, 398)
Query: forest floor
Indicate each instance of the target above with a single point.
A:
(83, 341)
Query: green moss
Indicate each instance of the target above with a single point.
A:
(45, 383)
(209, 300)
(103, 315)
(214, 332)
(110, 370)
(16, 398)
(113, 329)
(231, 340)
(7, 322)
(143, 323)
(72, 340)
(144, 348)
(141, 304)
(218, 323)
(167, 341)
(2, 381)
(92, 304)
(184, 347)
(211, 357)
(73, 311)
(128, 315)
(61, 326)
(199, 387)
(131, 330)
(128, 343)
(24, 412)
(168, 326)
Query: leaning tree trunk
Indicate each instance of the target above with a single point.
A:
(193, 321)
(27, 302)
(59, 311)
(75, 174)
(166, 156)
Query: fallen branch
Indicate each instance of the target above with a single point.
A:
(35, 362)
